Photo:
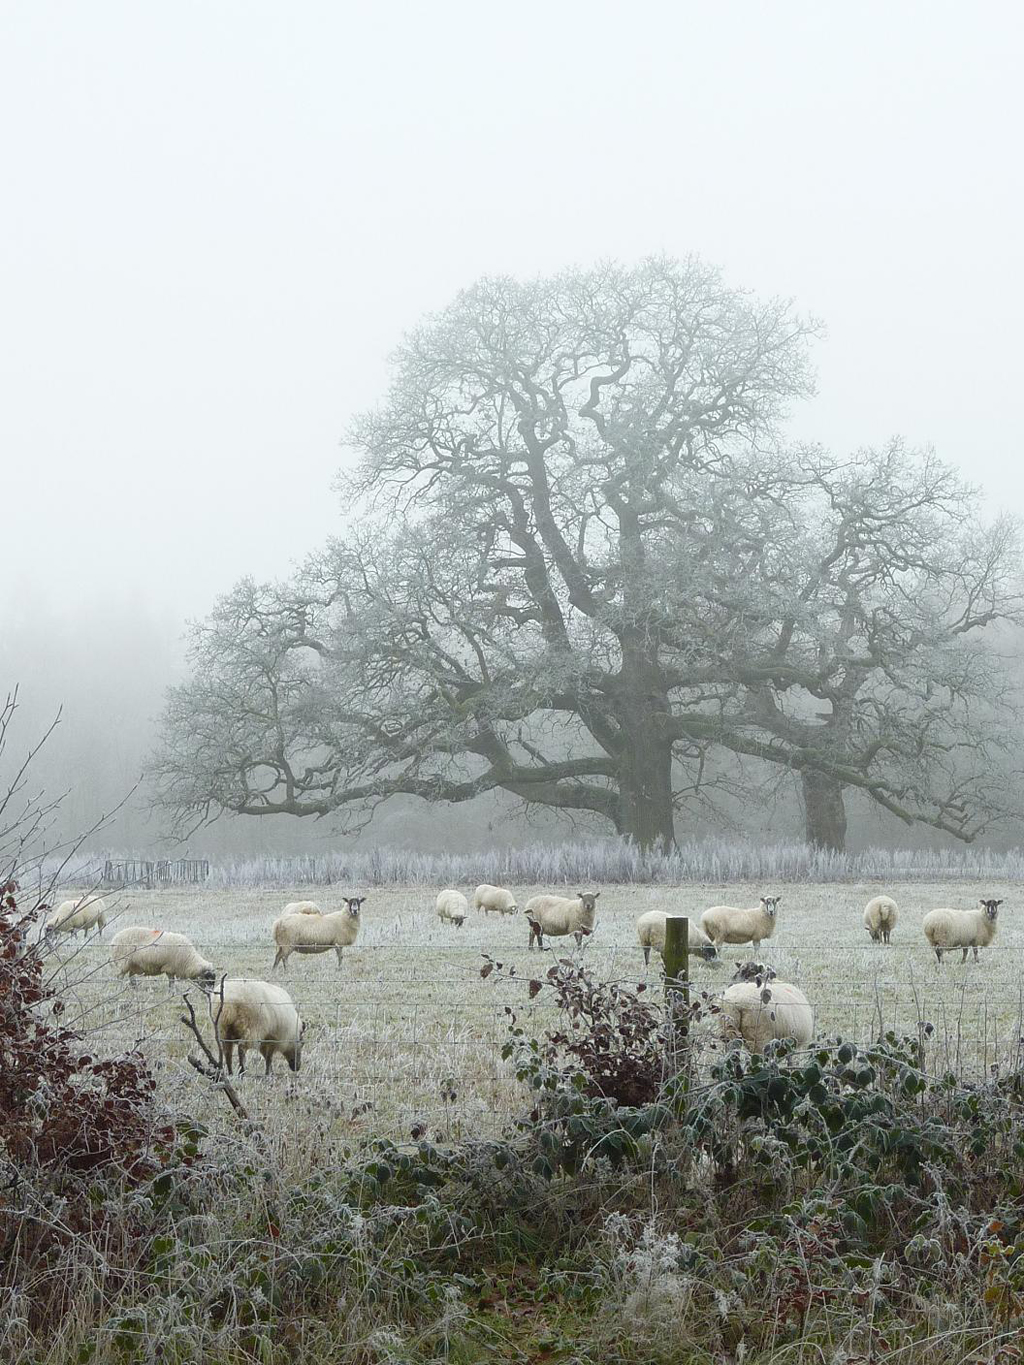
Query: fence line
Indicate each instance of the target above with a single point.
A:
(717, 861)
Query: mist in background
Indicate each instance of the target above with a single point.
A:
(220, 219)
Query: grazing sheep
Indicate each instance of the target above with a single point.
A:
(758, 1009)
(650, 930)
(726, 924)
(951, 929)
(302, 908)
(84, 914)
(558, 916)
(488, 898)
(138, 951)
(452, 907)
(308, 933)
(880, 916)
(256, 1014)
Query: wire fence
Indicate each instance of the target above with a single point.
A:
(387, 1052)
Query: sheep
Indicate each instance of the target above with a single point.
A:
(452, 907)
(880, 916)
(302, 908)
(308, 933)
(138, 951)
(84, 914)
(256, 1014)
(650, 930)
(945, 929)
(758, 1009)
(488, 898)
(558, 916)
(725, 924)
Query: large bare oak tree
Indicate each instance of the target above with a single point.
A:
(578, 561)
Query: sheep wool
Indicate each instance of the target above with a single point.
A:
(86, 913)
(488, 898)
(305, 932)
(138, 951)
(950, 929)
(758, 1009)
(558, 916)
(302, 908)
(452, 907)
(726, 924)
(650, 930)
(248, 1014)
(880, 916)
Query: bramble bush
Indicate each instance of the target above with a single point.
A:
(69, 1121)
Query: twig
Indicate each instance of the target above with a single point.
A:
(213, 1067)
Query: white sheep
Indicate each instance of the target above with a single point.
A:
(308, 933)
(650, 930)
(949, 929)
(256, 1014)
(880, 916)
(138, 951)
(302, 908)
(452, 907)
(488, 898)
(86, 913)
(757, 1009)
(558, 916)
(726, 924)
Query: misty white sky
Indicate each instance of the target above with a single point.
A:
(219, 217)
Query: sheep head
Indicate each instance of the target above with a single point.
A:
(754, 971)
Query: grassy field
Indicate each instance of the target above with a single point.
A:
(408, 1034)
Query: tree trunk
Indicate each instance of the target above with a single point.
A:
(824, 811)
(645, 761)
(645, 791)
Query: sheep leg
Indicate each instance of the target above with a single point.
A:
(268, 1054)
(975, 952)
(280, 958)
(647, 956)
(339, 952)
(228, 1046)
(533, 931)
(938, 954)
(964, 958)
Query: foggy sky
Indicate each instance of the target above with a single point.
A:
(219, 218)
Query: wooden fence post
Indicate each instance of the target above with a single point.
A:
(676, 957)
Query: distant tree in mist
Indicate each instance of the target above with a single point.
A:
(581, 562)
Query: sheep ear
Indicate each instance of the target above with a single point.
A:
(596, 894)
